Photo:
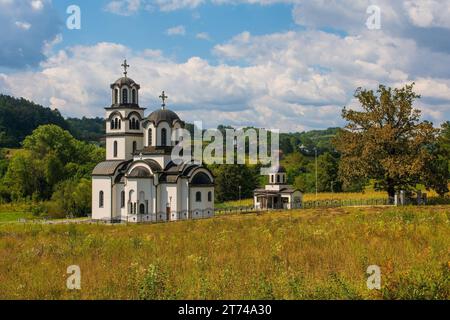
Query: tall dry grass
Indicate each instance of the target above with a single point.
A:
(305, 254)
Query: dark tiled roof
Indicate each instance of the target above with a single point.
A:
(107, 168)
(163, 115)
(283, 190)
(125, 81)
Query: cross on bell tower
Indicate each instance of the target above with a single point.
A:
(163, 97)
(125, 67)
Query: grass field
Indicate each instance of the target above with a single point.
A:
(317, 254)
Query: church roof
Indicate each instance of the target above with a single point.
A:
(272, 192)
(107, 168)
(125, 81)
(163, 115)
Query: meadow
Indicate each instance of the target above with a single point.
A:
(302, 254)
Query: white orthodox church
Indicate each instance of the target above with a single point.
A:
(138, 182)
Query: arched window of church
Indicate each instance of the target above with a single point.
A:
(164, 137)
(124, 95)
(122, 199)
(112, 125)
(137, 125)
(115, 149)
(198, 196)
(116, 123)
(116, 96)
(101, 199)
(134, 146)
(133, 96)
(150, 137)
(278, 178)
(120, 124)
(209, 196)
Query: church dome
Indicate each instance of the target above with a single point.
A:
(163, 115)
(124, 81)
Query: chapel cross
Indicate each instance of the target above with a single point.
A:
(125, 67)
(163, 97)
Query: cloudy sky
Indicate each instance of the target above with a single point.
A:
(285, 64)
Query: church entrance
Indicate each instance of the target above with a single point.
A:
(168, 210)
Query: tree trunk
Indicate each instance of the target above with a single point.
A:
(390, 189)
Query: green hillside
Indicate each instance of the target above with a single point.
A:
(19, 117)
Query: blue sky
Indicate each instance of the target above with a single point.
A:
(284, 64)
(149, 27)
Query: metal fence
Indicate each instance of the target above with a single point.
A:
(345, 203)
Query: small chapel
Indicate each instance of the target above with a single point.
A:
(138, 181)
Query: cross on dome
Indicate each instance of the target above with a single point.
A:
(125, 67)
(163, 97)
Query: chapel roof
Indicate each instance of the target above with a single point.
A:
(163, 115)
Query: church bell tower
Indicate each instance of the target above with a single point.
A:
(124, 133)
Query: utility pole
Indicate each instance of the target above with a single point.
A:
(315, 149)
(240, 196)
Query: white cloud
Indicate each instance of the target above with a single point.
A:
(123, 7)
(428, 13)
(176, 31)
(23, 25)
(37, 5)
(203, 36)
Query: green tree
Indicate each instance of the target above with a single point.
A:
(73, 197)
(228, 178)
(444, 142)
(387, 141)
(25, 176)
(50, 155)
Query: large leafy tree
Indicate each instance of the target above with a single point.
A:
(387, 141)
(50, 155)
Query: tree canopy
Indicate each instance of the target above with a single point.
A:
(388, 142)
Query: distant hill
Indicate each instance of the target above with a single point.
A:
(19, 117)
(87, 129)
(320, 139)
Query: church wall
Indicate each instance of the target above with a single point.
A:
(116, 209)
(184, 190)
(168, 198)
(150, 126)
(162, 125)
(101, 184)
(110, 148)
(199, 209)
